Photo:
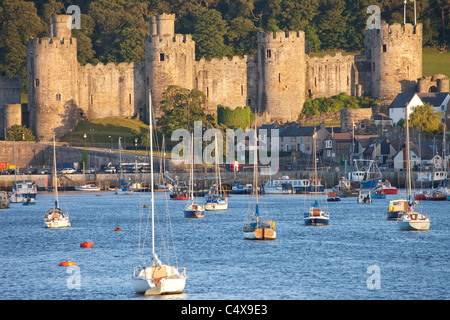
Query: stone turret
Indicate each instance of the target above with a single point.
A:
(52, 70)
(395, 58)
(282, 72)
(169, 58)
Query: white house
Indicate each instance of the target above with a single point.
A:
(439, 100)
(397, 108)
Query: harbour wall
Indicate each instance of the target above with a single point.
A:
(105, 181)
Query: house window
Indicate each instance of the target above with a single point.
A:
(362, 125)
(328, 153)
(328, 144)
(161, 57)
(58, 97)
(292, 139)
(269, 53)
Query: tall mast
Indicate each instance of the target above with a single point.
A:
(408, 154)
(55, 182)
(256, 163)
(315, 164)
(151, 167)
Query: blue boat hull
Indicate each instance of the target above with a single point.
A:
(316, 221)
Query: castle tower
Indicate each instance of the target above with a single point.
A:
(52, 74)
(169, 58)
(395, 59)
(282, 73)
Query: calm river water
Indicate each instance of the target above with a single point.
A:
(338, 261)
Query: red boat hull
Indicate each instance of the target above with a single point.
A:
(419, 197)
(389, 191)
(179, 197)
(436, 198)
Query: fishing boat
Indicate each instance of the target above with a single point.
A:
(420, 195)
(333, 197)
(411, 219)
(256, 228)
(179, 193)
(385, 187)
(216, 199)
(55, 218)
(315, 216)
(435, 195)
(346, 188)
(377, 194)
(22, 189)
(242, 189)
(4, 202)
(25, 189)
(193, 209)
(366, 173)
(364, 197)
(279, 186)
(158, 278)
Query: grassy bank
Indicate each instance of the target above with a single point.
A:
(434, 62)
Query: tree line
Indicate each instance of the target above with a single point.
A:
(114, 30)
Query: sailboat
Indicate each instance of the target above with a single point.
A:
(256, 228)
(123, 189)
(216, 200)
(411, 219)
(192, 209)
(55, 217)
(316, 216)
(158, 278)
(87, 186)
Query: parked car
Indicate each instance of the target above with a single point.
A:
(30, 171)
(44, 171)
(10, 171)
(90, 170)
(110, 170)
(68, 170)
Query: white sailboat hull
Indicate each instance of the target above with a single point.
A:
(124, 191)
(57, 223)
(144, 283)
(414, 225)
(216, 206)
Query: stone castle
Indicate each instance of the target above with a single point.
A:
(275, 82)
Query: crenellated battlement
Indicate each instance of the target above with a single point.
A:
(178, 38)
(52, 42)
(396, 31)
(109, 66)
(224, 60)
(281, 37)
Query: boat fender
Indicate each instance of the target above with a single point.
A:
(391, 208)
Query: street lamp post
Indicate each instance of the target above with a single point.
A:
(85, 136)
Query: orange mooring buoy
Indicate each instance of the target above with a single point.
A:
(67, 263)
(86, 244)
(117, 229)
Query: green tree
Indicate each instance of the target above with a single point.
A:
(427, 119)
(181, 108)
(208, 32)
(238, 118)
(19, 133)
(18, 22)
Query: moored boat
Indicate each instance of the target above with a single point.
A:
(55, 218)
(332, 196)
(364, 197)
